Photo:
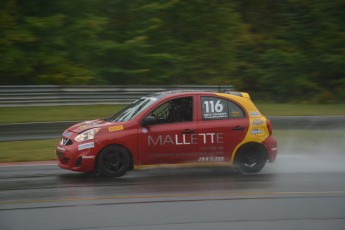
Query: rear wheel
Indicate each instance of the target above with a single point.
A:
(251, 158)
(113, 161)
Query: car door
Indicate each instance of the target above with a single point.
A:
(170, 140)
(222, 124)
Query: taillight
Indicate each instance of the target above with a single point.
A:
(269, 126)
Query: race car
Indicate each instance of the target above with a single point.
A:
(172, 128)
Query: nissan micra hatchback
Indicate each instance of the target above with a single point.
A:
(172, 128)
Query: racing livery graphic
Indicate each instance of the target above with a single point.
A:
(172, 128)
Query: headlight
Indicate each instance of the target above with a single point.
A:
(87, 135)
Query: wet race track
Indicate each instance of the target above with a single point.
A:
(303, 189)
(45, 197)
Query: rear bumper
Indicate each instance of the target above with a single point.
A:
(271, 146)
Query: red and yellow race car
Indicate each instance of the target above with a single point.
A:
(172, 128)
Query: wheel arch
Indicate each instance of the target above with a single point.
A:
(131, 167)
(251, 144)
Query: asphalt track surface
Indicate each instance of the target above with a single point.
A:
(296, 192)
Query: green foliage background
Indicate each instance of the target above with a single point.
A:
(287, 50)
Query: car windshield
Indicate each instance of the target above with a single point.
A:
(133, 109)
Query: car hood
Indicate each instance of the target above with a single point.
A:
(83, 126)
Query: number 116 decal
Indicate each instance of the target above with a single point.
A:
(214, 108)
(209, 105)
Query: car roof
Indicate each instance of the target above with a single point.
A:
(182, 92)
(176, 92)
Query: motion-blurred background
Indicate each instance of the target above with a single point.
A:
(284, 51)
(289, 55)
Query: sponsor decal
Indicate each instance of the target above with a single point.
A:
(161, 155)
(257, 122)
(211, 159)
(88, 145)
(92, 122)
(115, 128)
(192, 154)
(254, 113)
(215, 115)
(235, 114)
(61, 149)
(256, 131)
(88, 157)
(211, 148)
(67, 134)
(83, 127)
(144, 130)
(204, 156)
(186, 139)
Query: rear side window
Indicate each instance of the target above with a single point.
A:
(214, 108)
(235, 111)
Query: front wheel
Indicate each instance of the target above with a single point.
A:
(251, 158)
(113, 161)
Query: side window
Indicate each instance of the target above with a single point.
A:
(214, 108)
(235, 111)
(176, 110)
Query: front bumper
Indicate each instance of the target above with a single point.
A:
(76, 156)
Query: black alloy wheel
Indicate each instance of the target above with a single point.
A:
(113, 161)
(251, 159)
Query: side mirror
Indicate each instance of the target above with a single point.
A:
(149, 120)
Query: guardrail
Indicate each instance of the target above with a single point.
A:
(50, 130)
(51, 95)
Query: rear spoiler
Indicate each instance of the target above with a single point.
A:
(240, 94)
(227, 89)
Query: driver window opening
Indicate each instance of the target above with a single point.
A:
(176, 110)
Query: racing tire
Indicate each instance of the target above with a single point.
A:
(251, 158)
(113, 161)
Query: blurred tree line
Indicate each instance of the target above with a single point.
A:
(287, 50)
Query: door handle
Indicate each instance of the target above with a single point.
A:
(188, 131)
(238, 128)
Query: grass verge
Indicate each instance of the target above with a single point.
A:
(22, 151)
(89, 112)
(270, 109)
(56, 113)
